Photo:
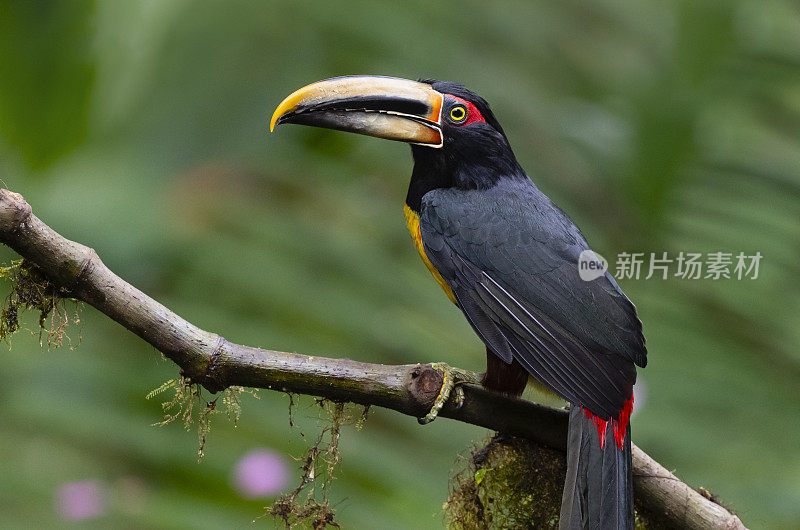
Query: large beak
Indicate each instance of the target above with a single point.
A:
(384, 107)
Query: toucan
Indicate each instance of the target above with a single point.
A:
(510, 260)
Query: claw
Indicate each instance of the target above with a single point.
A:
(452, 378)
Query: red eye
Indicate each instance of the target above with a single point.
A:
(467, 110)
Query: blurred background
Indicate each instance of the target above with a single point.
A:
(139, 128)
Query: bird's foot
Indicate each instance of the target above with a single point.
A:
(452, 379)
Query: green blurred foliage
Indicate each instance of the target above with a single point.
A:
(140, 129)
(46, 76)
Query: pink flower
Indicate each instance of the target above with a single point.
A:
(76, 501)
(260, 473)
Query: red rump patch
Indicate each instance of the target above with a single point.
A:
(473, 114)
(619, 425)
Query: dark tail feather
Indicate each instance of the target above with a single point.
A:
(598, 492)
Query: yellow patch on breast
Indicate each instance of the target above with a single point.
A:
(412, 220)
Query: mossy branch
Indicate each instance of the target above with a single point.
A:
(215, 363)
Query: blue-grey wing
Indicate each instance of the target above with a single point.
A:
(511, 259)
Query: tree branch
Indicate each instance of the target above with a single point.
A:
(214, 362)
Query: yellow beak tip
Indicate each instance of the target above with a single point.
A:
(286, 105)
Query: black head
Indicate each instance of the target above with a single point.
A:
(475, 153)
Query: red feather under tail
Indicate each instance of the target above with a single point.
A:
(619, 425)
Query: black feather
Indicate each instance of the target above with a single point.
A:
(511, 261)
(598, 491)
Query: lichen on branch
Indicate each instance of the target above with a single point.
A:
(507, 483)
(309, 503)
(31, 290)
(189, 406)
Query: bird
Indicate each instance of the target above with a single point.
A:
(510, 260)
